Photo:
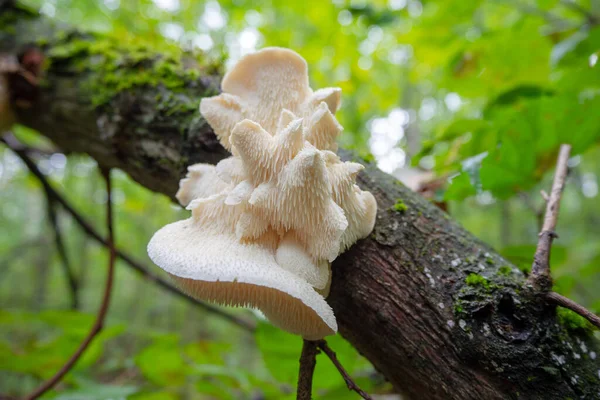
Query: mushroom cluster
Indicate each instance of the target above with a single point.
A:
(268, 221)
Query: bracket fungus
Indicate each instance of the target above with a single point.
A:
(267, 222)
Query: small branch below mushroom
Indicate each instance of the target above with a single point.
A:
(564, 302)
(22, 152)
(540, 271)
(308, 361)
(347, 378)
(98, 324)
(62, 251)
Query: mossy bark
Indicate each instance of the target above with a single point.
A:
(436, 311)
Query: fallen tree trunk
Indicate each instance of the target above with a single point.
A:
(436, 311)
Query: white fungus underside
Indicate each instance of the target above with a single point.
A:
(217, 268)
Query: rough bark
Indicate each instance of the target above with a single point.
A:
(439, 313)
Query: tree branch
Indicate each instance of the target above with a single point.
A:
(540, 271)
(91, 231)
(62, 251)
(565, 302)
(98, 324)
(308, 361)
(347, 378)
(541, 277)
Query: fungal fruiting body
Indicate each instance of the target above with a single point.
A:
(268, 221)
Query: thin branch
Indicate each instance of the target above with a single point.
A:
(98, 324)
(10, 139)
(308, 361)
(560, 176)
(564, 302)
(137, 266)
(540, 271)
(347, 378)
(541, 278)
(62, 251)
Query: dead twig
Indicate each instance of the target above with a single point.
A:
(137, 266)
(62, 251)
(540, 276)
(308, 361)
(564, 302)
(347, 378)
(98, 324)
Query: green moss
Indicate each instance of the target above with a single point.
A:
(505, 270)
(458, 308)
(551, 371)
(477, 280)
(368, 158)
(116, 65)
(572, 321)
(525, 268)
(400, 206)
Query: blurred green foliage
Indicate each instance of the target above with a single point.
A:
(477, 94)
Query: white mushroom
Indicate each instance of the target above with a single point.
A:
(260, 87)
(267, 222)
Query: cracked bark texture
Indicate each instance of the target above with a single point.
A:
(401, 296)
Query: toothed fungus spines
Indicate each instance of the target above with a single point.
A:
(267, 222)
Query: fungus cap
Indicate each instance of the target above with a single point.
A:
(218, 268)
(267, 222)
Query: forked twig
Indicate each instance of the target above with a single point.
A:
(308, 361)
(540, 271)
(541, 277)
(347, 378)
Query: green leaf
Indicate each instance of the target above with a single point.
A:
(281, 351)
(522, 255)
(460, 127)
(460, 188)
(162, 363)
(515, 94)
(579, 47)
(153, 396)
(207, 352)
(95, 391)
(46, 340)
